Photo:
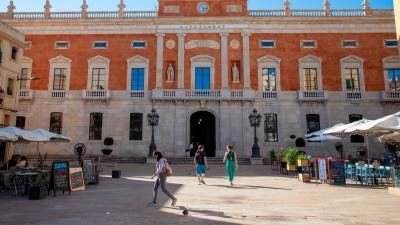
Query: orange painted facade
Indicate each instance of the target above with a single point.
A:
(329, 49)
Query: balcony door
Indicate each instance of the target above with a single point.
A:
(137, 79)
(202, 78)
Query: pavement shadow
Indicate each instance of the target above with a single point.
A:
(249, 187)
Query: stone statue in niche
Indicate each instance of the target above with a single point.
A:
(235, 73)
(170, 73)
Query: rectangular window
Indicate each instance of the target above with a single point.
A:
(391, 43)
(100, 44)
(349, 44)
(310, 79)
(393, 78)
(10, 86)
(136, 126)
(352, 79)
(267, 44)
(137, 79)
(138, 44)
(202, 78)
(7, 119)
(14, 53)
(95, 126)
(61, 45)
(269, 79)
(59, 79)
(98, 78)
(308, 44)
(56, 122)
(20, 122)
(356, 138)
(271, 128)
(24, 79)
(313, 123)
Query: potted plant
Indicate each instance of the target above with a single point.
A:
(339, 148)
(291, 158)
(108, 142)
(302, 160)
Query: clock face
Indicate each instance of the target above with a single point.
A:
(202, 7)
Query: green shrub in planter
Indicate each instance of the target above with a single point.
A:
(290, 156)
(108, 141)
(273, 155)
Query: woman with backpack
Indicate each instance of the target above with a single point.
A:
(200, 164)
(162, 169)
(231, 163)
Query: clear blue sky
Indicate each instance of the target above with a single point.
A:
(111, 5)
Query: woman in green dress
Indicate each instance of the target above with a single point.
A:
(231, 163)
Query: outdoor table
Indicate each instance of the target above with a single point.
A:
(22, 181)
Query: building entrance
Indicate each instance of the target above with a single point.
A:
(202, 131)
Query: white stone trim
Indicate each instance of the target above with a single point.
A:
(137, 62)
(246, 60)
(269, 61)
(202, 61)
(224, 60)
(98, 62)
(310, 61)
(352, 61)
(160, 60)
(60, 62)
(391, 62)
(181, 60)
(27, 63)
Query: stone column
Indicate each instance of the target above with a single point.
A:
(224, 60)
(181, 60)
(160, 60)
(246, 59)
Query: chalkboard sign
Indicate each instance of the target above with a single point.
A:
(60, 176)
(337, 173)
(397, 177)
(76, 179)
(89, 174)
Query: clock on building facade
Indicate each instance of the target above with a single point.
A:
(202, 7)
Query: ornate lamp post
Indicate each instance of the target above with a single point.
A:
(255, 121)
(152, 119)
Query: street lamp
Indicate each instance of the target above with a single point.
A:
(152, 119)
(255, 121)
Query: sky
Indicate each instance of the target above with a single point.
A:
(111, 5)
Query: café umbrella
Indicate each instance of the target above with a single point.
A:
(390, 138)
(50, 137)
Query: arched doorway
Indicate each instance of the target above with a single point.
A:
(202, 131)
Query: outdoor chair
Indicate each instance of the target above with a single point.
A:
(350, 172)
(358, 173)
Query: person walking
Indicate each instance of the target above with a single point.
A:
(200, 164)
(161, 173)
(231, 163)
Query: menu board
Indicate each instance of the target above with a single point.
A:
(76, 179)
(89, 171)
(322, 169)
(337, 173)
(60, 176)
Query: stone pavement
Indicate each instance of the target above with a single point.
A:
(260, 196)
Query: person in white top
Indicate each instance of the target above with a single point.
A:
(161, 173)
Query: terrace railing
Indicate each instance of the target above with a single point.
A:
(154, 14)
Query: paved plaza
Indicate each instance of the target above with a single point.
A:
(260, 196)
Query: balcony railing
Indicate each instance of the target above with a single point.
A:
(354, 95)
(237, 94)
(57, 94)
(202, 94)
(96, 94)
(137, 94)
(25, 94)
(154, 14)
(390, 96)
(312, 96)
(270, 95)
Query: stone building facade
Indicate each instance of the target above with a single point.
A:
(204, 66)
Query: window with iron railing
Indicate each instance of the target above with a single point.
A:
(96, 126)
(271, 128)
(313, 123)
(56, 119)
(20, 122)
(136, 126)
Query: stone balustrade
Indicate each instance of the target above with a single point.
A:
(312, 96)
(270, 95)
(354, 95)
(58, 94)
(137, 94)
(25, 94)
(96, 94)
(154, 14)
(390, 96)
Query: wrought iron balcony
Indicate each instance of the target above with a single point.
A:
(312, 96)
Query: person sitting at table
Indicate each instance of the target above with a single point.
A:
(23, 162)
(12, 163)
